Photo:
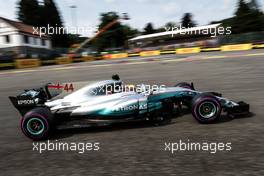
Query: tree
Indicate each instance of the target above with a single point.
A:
(171, 25)
(114, 37)
(243, 9)
(28, 12)
(187, 21)
(76, 39)
(248, 18)
(47, 14)
(130, 32)
(149, 29)
(51, 16)
(253, 4)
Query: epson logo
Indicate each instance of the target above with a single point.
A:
(25, 102)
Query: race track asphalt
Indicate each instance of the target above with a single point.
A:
(139, 148)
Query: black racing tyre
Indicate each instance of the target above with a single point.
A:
(185, 85)
(37, 124)
(206, 108)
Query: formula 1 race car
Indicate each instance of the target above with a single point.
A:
(104, 102)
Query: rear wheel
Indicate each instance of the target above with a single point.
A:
(37, 124)
(206, 108)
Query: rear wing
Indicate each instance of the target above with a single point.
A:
(23, 104)
(32, 98)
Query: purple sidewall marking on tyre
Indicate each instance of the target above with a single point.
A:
(33, 114)
(198, 103)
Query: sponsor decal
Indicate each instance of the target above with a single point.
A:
(25, 102)
(131, 107)
(126, 108)
(66, 87)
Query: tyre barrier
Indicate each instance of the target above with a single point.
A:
(63, 60)
(149, 53)
(133, 54)
(188, 50)
(210, 49)
(87, 58)
(119, 56)
(7, 65)
(29, 63)
(168, 52)
(258, 46)
(48, 62)
(115, 56)
(239, 47)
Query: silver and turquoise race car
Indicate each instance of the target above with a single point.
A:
(81, 104)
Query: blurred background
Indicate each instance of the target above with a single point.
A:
(119, 34)
(114, 26)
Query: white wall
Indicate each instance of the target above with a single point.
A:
(14, 40)
(5, 28)
(17, 39)
(35, 42)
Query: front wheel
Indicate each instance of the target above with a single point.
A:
(206, 108)
(37, 124)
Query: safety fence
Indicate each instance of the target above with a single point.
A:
(35, 62)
